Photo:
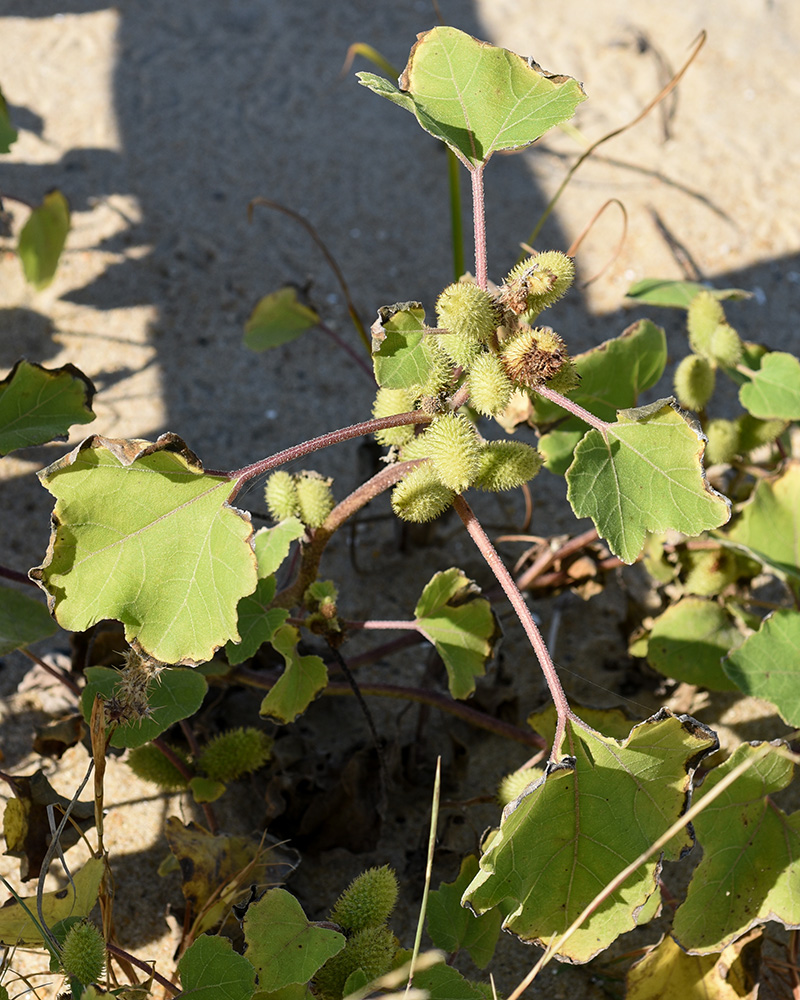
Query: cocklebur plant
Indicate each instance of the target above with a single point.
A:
(178, 564)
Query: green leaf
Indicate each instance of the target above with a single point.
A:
(23, 620)
(39, 404)
(453, 616)
(257, 622)
(689, 641)
(141, 534)
(42, 239)
(642, 474)
(207, 789)
(592, 814)
(452, 927)
(442, 982)
(76, 900)
(402, 356)
(613, 375)
(678, 294)
(751, 853)
(277, 319)
(272, 544)
(176, 694)
(282, 944)
(211, 970)
(767, 664)
(774, 389)
(8, 134)
(301, 681)
(475, 97)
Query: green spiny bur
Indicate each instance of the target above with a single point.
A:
(421, 496)
(440, 370)
(723, 441)
(454, 449)
(566, 378)
(725, 346)
(280, 494)
(704, 316)
(368, 901)
(83, 954)
(489, 387)
(514, 784)
(149, 763)
(533, 356)
(314, 498)
(372, 949)
(694, 382)
(387, 403)
(467, 311)
(234, 753)
(707, 572)
(537, 282)
(753, 433)
(460, 351)
(504, 465)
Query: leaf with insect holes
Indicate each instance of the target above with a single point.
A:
(689, 640)
(613, 375)
(211, 970)
(278, 318)
(475, 97)
(751, 854)
(402, 355)
(460, 623)
(592, 814)
(678, 294)
(767, 664)
(644, 473)
(142, 535)
(283, 944)
(23, 620)
(301, 681)
(39, 404)
(773, 391)
(42, 239)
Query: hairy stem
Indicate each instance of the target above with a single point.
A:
(479, 227)
(16, 576)
(514, 595)
(574, 408)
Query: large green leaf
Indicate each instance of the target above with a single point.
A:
(475, 97)
(774, 389)
(282, 944)
(689, 640)
(592, 814)
(272, 544)
(301, 681)
(678, 294)
(452, 926)
(23, 620)
(141, 534)
(751, 857)
(453, 616)
(277, 319)
(175, 694)
(39, 404)
(613, 375)
(8, 134)
(402, 355)
(644, 473)
(211, 970)
(42, 239)
(767, 664)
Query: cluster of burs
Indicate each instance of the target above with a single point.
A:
(486, 344)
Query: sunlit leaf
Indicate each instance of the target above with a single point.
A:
(39, 404)
(42, 239)
(301, 681)
(142, 535)
(211, 970)
(272, 544)
(678, 294)
(689, 640)
(774, 389)
(401, 353)
(476, 97)
(277, 319)
(644, 473)
(75, 900)
(592, 814)
(459, 622)
(767, 665)
(751, 853)
(23, 620)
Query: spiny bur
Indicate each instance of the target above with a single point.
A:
(533, 356)
(421, 496)
(371, 950)
(694, 382)
(234, 753)
(725, 346)
(149, 763)
(489, 387)
(723, 441)
(314, 498)
(514, 784)
(704, 316)
(467, 311)
(753, 433)
(280, 494)
(83, 954)
(387, 403)
(460, 351)
(439, 373)
(129, 701)
(537, 282)
(707, 572)
(454, 448)
(368, 901)
(504, 465)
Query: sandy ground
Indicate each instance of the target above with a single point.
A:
(161, 121)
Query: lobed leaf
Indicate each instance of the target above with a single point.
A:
(751, 854)
(301, 681)
(594, 812)
(475, 97)
(767, 664)
(452, 927)
(402, 355)
(143, 535)
(278, 318)
(39, 404)
(23, 620)
(773, 390)
(42, 239)
(211, 970)
(644, 473)
(689, 640)
(678, 294)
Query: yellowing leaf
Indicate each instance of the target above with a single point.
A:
(42, 239)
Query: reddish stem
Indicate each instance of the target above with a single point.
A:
(479, 227)
(514, 595)
(574, 408)
(16, 576)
